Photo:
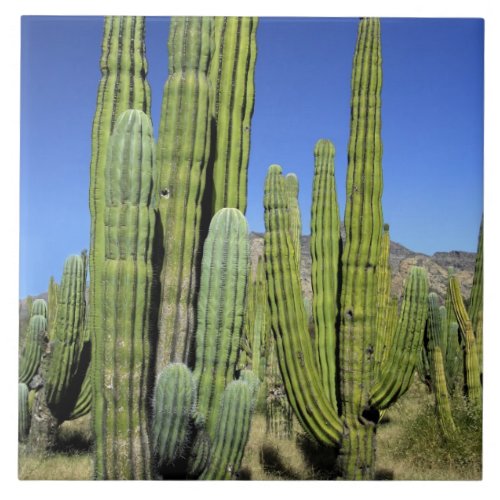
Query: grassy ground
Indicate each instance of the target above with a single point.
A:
(409, 447)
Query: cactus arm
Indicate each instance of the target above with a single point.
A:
(51, 306)
(443, 408)
(472, 372)
(397, 373)
(174, 403)
(120, 395)
(325, 255)
(32, 352)
(70, 352)
(292, 191)
(220, 310)
(232, 75)
(232, 432)
(183, 156)
(383, 279)
(23, 412)
(289, 321)
(476, 299)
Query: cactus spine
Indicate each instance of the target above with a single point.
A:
(183, 155)
(120, 392)
(70, 352)
(361, 394)
(32, 352)
(232, 76)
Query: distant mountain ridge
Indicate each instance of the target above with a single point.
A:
(401, 260)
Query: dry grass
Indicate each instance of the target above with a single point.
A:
(409, 447)
(70, 460)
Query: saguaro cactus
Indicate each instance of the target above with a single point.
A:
(183, 155)
(232, 75)
(70, 355)
(346, 414)
(121, 366)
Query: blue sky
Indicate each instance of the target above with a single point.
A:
(432, 125)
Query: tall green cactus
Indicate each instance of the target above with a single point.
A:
(121, 367)
(122, 86)
(232, 432)
(70, 351)
(183, 156)
(326, 246)
(39, 307)
(473, 386)
(292, 190)
(347, 413)
(475, 309)
(220, 311)
(32, 352)
(52, 306)
(23, 412)
(232, 76)
(443, 408)
(174, 403)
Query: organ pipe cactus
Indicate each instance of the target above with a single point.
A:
(32, 352)
(70, 352)
(23, 412)
(122, 368)
(123, 85)
(183, 156)
(83, 403)
(231, 74)
(350, 419)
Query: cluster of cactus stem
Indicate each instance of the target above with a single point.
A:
(335, 387)
(165, 323)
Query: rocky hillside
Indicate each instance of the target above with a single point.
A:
(401, 260)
